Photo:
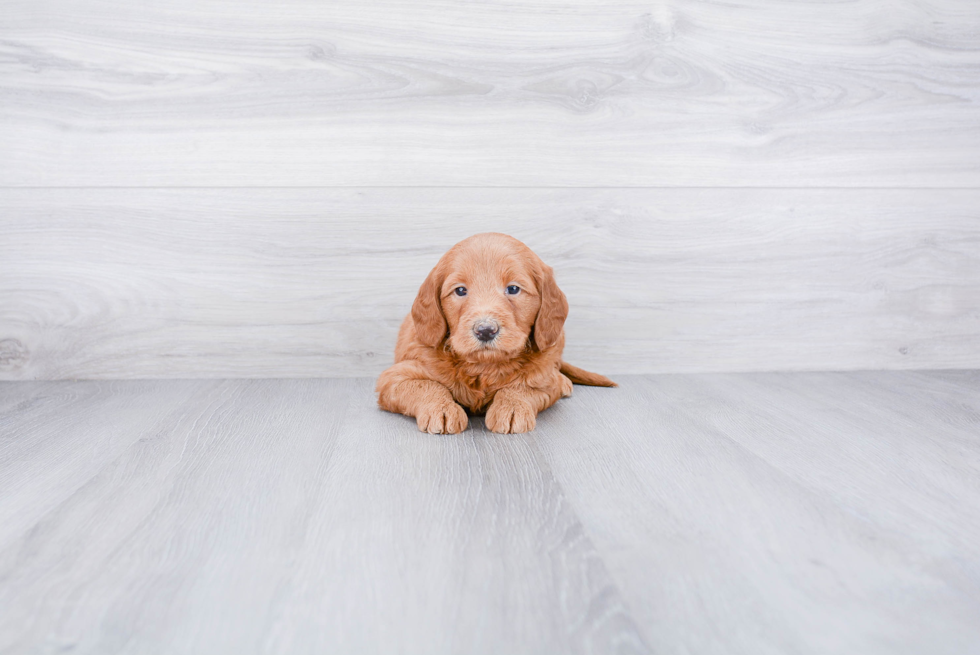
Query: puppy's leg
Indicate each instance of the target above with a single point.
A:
(404, 389)
(515, 408)
(566, 386)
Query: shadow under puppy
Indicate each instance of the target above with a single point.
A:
(486, 332)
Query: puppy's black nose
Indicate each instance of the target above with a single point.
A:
(485, 330)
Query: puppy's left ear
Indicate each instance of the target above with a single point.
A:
(553, 312)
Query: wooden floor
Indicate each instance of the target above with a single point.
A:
(724, 513)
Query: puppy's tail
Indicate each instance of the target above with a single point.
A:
(581, 376)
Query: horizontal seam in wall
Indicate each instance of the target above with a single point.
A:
(510, 187)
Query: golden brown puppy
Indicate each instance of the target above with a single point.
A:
(486, 333)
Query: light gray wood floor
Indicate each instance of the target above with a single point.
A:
(722, 513)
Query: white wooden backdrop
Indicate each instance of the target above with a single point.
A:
(218, 188)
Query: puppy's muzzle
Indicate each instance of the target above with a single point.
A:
(486, 329)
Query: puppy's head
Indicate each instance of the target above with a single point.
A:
(493, 298)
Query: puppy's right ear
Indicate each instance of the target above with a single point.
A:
(430, 323)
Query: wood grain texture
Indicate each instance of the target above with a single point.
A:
(144, 283)
(724, 513)
(543, 93)
(777, 513)
(285, 516)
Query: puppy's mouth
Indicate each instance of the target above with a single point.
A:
(491, 344)
(483, 349)
(487, 352)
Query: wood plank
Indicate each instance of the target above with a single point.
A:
(781, 512)
(40, 469)
(294, 516)
(755, 513)
(145, 283)
(446, 93)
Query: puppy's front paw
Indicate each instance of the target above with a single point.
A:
(507, 415)
(448, 418)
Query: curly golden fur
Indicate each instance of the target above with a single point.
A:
(485, 333)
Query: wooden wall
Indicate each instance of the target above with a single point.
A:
(218, 188)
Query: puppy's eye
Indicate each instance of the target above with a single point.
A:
(460, 291)
(513, 290)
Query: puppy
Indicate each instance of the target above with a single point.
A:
(485, 333)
